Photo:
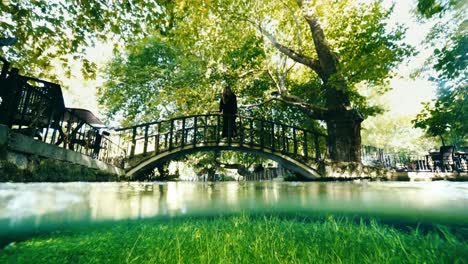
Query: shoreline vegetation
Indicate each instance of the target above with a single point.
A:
(241, 239)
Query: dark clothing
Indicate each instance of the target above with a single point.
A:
(228, 107)
(97, 145)
(229, 121)
(9, 91)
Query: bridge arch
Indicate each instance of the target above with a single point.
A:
(307, 170)
(295, 148)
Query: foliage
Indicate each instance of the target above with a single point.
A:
(204, 44)
(204, 163)
(50, 32)
(216, 162)
(368, 50)
(242, 239)
(357, 33)
(159, 78)
(213, 44)
(430, 8)
(446, 116)
(396, 134)
(138, 86)
(452, 60)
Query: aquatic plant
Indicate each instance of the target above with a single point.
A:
(242, 239)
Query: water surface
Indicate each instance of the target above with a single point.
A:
(36, 206)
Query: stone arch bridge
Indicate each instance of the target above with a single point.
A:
(297, 149)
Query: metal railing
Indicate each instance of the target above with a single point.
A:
(161, 136)
(443, 161)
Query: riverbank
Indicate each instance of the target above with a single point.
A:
(242, 239)
(53, 171)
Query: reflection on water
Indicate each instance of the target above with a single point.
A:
(34, 205)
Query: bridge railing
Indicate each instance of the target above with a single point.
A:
(196, 130)
(430, 162)
(30, 102)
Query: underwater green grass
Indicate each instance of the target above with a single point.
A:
(241, 239)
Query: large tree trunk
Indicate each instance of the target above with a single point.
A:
(344, 136)
(343, 122)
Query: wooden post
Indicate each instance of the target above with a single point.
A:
(49, 119)
(284, 139)
(218, 122)
(205, 130)
(240, 130)
(66, 141)
(251, 132)
(132, 150)
(145, 146)
(262, 136)
(183, 132)
(305, 145)
(317, 147)
(272, 135)
(171, 134)
(156, 139)
(56, 127)
(79, 137)
(25, 107)
(294, 141)
(195, 130)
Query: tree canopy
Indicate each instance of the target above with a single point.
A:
(299, 61)
(56, 33)
(310, 56)
(62, 30)
(446, 116)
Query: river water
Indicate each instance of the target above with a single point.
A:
(33, 207)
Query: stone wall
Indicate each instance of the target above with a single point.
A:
(437, 176)
(353, 170)
(26, 153)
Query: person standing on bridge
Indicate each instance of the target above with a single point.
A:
(228, 107)
(10, 91)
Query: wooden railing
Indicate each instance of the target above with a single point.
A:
(36, 108)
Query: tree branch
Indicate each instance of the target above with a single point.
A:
(242, 75)
(296, 56)
(312, 111)
(327, 58)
